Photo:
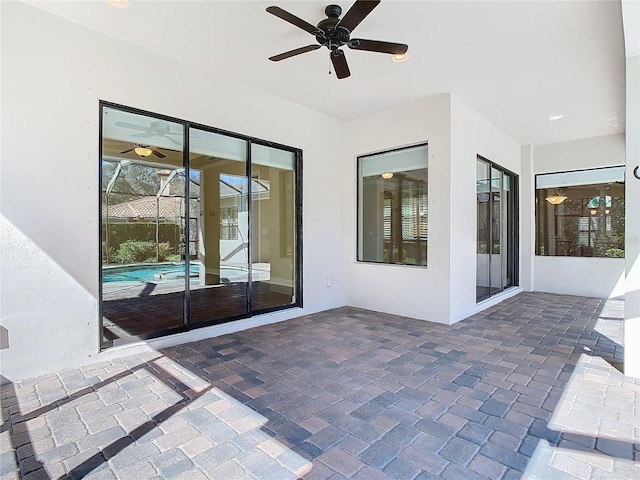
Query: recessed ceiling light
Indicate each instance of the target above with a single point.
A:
(400, 58)
(556, 116)
(118, 3)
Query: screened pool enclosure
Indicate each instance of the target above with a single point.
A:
(198, 227)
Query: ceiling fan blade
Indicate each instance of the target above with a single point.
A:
(130, 150)
(340, 64)
(293, 53)
(357, 13)
(157, 153)
(133, 125)
(143, 135)
(292, 19)
(378, 46)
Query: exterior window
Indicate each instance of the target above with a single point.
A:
(229, 223)
(497, 229)
(392, 207)
(581, 213)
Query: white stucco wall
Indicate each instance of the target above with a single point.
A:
(54, 73)
(632, 221)
(631, 22)
(471, 135)
(593, 277)
(527, 220)
(405, 290)
(444, 291)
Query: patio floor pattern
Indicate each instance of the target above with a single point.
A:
(527, 389)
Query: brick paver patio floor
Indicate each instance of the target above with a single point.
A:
(525, 389)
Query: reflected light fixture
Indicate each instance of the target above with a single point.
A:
(387, 175)
(400, 58)
(143, 151)
(118, 3)
(556, 116)
(556, 199)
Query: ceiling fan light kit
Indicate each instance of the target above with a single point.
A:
(143, 151)
(334, 33)
(556, 199)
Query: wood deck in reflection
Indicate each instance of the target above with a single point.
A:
(157, 307)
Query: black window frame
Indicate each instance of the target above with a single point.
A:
(359, 159)
(513, 221)
(538, 241)
(298, 222)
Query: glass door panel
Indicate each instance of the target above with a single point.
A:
(483, 193)
(496, 232)
(219, 227)
(507, 231)
(143, 225)
(273, 239)
(497, 260)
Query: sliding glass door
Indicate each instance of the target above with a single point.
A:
(496, 260)
(199, 226)
(218, 165)
(143, 224)
(273, 233)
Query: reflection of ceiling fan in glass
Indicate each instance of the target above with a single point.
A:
(144, 151)
(155, 129)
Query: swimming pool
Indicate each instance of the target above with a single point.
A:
(147, 273)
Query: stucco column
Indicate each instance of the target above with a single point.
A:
(527, 219)
(632, 222)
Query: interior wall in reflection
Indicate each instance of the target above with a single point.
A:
(219, 165)
(273, 226)
(194, 232)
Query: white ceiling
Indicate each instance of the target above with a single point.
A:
(516, 62)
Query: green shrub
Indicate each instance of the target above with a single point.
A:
(143, 232)
(134, 251)
(615, 253)
(107, 253)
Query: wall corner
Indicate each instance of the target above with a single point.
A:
(632, 222)
(527, 219)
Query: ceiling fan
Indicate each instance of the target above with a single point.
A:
(333, 33)
(154, 129)
(145, 151)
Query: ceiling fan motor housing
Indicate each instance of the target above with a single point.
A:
(332, 37)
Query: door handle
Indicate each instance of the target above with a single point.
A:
(636, 173)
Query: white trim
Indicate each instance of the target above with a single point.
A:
(495, 299)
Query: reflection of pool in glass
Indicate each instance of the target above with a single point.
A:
(147, 273)
(232, 272)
